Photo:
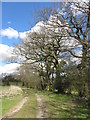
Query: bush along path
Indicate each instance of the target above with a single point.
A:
(41, 109)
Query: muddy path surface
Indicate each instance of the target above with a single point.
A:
(41, 110)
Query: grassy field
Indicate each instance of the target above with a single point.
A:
(63, 106)
(29, 109)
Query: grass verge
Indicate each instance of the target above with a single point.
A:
(8, 103)
(29, 108)
(63, 106)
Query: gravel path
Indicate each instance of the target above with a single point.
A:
(41, 110)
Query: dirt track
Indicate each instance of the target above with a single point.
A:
(41, 110)
(16, 108)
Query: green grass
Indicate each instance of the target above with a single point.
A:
(0, 107)
(8, 103)
(58, 105)
(4, 88)
(63, 106)
(16, 83)
(29, 108)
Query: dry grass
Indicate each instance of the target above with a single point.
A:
(11, 91)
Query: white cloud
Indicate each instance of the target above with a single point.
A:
(83, 0)
(38, 27)
(5, 52)
(22, 35)
(9, 32)
(9, 68)
(9, 22)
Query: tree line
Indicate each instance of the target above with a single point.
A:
(58, 54)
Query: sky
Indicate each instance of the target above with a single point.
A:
(17, 17)
(20, 16)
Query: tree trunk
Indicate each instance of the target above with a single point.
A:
(23, 84)
(84, 72)
(84, 56)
